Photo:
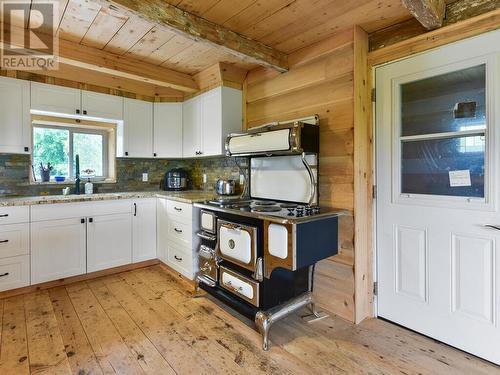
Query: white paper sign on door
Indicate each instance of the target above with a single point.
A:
(459, 178)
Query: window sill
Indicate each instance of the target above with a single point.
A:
(72, 182)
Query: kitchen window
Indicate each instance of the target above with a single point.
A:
(59, 145)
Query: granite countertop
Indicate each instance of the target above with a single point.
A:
(189, 196)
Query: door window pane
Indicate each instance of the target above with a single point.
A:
(449, 102)
(426, 166)
(443, 134)
(51, 146)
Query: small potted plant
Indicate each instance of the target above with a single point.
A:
(45, 172)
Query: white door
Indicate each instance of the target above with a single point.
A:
(137, 128)
(55, 99)
(211, 122)
(95, 104)
(144, 230)
(109, 241)
(437, 142)
(58, 249)
(167, 134)
(191, 137)
(14, 116)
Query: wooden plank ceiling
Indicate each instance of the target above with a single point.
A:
(285, 25)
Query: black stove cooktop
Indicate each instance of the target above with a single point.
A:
(266, 207)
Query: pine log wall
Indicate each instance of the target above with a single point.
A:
(320, 81)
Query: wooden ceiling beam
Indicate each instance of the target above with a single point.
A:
(199, 29)
(429, 13)
(96, 60)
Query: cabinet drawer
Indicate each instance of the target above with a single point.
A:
(79, 210)
(180, 259)
(180, 233)
(14, 272)
(13, 215)
(14, 240)
(179, 211)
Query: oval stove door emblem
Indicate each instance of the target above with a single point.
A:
(231, 244)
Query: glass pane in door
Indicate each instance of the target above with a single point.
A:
(449, 102)
(426, 166)
(443, 134)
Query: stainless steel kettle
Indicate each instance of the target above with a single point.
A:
(225, 187)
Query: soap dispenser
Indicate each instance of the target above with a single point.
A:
(89, 187)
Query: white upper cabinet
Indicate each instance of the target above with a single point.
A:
(137, 129)
(14, 116)
(104, 106)
(191, 138)
(208, 118)
(167, 130)
(55, 99)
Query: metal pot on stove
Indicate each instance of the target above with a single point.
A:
(225, 187)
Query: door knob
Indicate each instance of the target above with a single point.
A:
(491, 226)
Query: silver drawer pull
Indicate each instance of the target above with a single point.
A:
(178, 230)
(178, 209)
(4, 241)
(4, 274)
(177, 258)
(4, 215)
(229, 284)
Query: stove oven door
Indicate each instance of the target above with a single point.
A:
(237, 243)
(240, 285)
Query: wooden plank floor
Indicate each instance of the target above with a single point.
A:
(146, 321)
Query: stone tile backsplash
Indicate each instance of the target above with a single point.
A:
(15, 173)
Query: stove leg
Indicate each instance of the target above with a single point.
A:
(316, 315)
(263, 324)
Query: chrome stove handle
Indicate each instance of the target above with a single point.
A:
(206, 236)
(312, 180)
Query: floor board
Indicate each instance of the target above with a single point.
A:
(146, 321)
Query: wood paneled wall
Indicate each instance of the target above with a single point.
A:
(320, 81)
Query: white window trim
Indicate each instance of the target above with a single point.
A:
(488, 202)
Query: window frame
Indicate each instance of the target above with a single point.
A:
(485, 203)
(81, 129)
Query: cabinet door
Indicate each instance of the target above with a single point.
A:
(144, 230)
(137, 128)
(162, 229)
(191, 137)
(211, 122)
(167, 134)
(109, 241)
(56, 99)
(57, 249)
(14, 116)
(105, 106)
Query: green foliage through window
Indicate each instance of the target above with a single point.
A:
(59, 147)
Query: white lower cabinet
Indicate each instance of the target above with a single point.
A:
(14, 272)
(109, 241)
(144, 230)
(177, 224)
(58, 249)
